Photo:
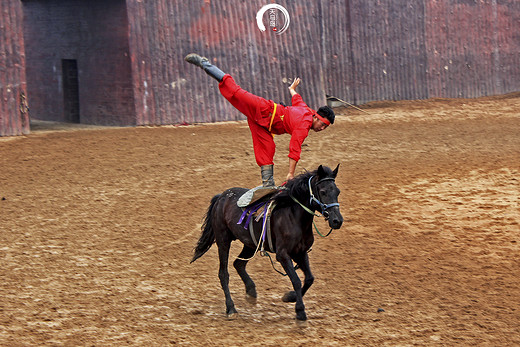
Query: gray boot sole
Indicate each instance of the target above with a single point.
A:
(195, 59)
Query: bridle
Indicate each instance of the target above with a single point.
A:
(324, 207)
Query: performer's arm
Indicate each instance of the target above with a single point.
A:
(292, 168)
(296, 99)
(293, 86)
(295, 148)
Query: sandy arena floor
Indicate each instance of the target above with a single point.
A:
(97, 227)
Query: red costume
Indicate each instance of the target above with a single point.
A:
(295, 120)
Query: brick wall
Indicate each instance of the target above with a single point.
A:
(94, 33)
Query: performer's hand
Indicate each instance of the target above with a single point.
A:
(289, 177)
(293, 86)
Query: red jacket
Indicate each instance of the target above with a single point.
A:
(295, 120)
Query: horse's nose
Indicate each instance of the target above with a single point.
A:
(336, 222)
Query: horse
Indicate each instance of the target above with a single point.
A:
(290, 223)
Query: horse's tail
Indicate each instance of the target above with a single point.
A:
(207, 238)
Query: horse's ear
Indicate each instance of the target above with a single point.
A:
(335, 172)
(321, 171)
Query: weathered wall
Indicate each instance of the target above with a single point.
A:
(172, 91)
(94, 33)
(473, 47)
(388, 52)
(131, 69)
(14, 119)
(358, 50)
(422, 49)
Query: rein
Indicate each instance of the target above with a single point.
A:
(323, 206)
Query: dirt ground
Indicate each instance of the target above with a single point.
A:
(97, 228)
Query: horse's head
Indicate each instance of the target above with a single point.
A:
(324, 193)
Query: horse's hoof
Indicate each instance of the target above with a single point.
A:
(251, 299)
(232, 316)
(251, 292)
(301, 317)
(289, 297)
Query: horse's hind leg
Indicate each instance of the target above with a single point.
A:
(240, 265)
(224, 244)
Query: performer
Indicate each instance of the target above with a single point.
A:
(266, 119)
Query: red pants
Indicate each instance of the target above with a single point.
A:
(258, 112)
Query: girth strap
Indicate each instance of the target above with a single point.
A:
(265, 215)
(269, 210)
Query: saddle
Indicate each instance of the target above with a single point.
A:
(257, 193)
(258, 203)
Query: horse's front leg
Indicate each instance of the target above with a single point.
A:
(285, 260)
(303, 262)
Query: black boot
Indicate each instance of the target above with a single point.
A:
(267, 175)
(205, 65)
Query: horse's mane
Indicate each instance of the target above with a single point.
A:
(299, 186)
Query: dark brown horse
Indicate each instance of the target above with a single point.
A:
(291, 224)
